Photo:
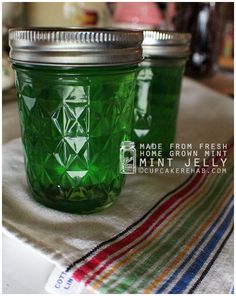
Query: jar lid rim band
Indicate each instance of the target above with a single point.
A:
(161, 37)
(76, 45)
(166, 43)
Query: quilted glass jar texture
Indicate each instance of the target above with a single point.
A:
(75, 92)
(73, 122)
(158, 88)
(157, 102)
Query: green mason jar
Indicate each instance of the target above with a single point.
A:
(76, 102)
(158, 88)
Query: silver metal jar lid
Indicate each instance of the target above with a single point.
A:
(75, 46)
(166, 44)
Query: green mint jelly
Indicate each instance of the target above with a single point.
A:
(157, 101)
(73, 121)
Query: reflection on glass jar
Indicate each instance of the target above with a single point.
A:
(74, 119)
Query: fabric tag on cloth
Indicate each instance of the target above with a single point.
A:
(60, 282)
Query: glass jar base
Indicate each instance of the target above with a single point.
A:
(74, 207)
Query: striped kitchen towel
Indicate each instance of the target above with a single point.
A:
(175, 244)
(149, 241)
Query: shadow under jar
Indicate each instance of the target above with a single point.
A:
(158, 88)
(76, 97)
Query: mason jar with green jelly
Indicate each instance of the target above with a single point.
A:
(158, 88)
(76, 101)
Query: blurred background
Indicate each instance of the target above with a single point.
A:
(211, 25)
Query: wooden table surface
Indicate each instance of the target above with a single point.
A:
(221, 83)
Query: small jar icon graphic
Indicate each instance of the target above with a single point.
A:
(127, 158)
